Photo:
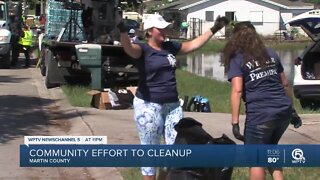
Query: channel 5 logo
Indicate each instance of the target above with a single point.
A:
(297, 155)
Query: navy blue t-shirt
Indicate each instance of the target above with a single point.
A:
(263, 92)
(157, 73)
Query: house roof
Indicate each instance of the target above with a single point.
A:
(173, 5)
(290, 4)
(286, 4)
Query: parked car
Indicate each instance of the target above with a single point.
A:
(306, 82)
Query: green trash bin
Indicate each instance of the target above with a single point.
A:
(89, 56)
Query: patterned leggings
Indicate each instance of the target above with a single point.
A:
(155, 120)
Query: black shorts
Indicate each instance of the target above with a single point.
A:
(266, 133)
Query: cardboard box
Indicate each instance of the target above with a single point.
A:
(100, 99)
(133, 89)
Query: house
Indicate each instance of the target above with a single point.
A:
(267, 16)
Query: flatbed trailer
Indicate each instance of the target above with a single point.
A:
(63, 66)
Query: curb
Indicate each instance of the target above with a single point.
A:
(77, 124)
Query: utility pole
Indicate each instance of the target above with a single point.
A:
(24, 5)
(41, 7)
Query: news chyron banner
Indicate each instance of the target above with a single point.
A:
(93, 151)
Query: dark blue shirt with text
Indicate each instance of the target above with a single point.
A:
(157, 73)
(263, 91)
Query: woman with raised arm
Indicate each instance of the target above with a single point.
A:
(156, 104)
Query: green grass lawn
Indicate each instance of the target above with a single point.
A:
(190, 85)
(288, 45)
(217, 45)
(77, 95)
(241, 173)
(217, 92)
(212, 46)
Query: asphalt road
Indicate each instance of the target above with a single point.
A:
(26, 109)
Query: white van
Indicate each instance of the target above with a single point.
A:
(306, 83)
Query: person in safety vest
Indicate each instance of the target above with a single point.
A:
(25, 43)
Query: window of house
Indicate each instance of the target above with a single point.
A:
(256, 16)
(231, 15)
(209, 16)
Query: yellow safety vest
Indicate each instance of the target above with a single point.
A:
(27, 39)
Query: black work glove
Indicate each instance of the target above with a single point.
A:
(123, 26)
(219, 24)
(236, 132)
(296, 120)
